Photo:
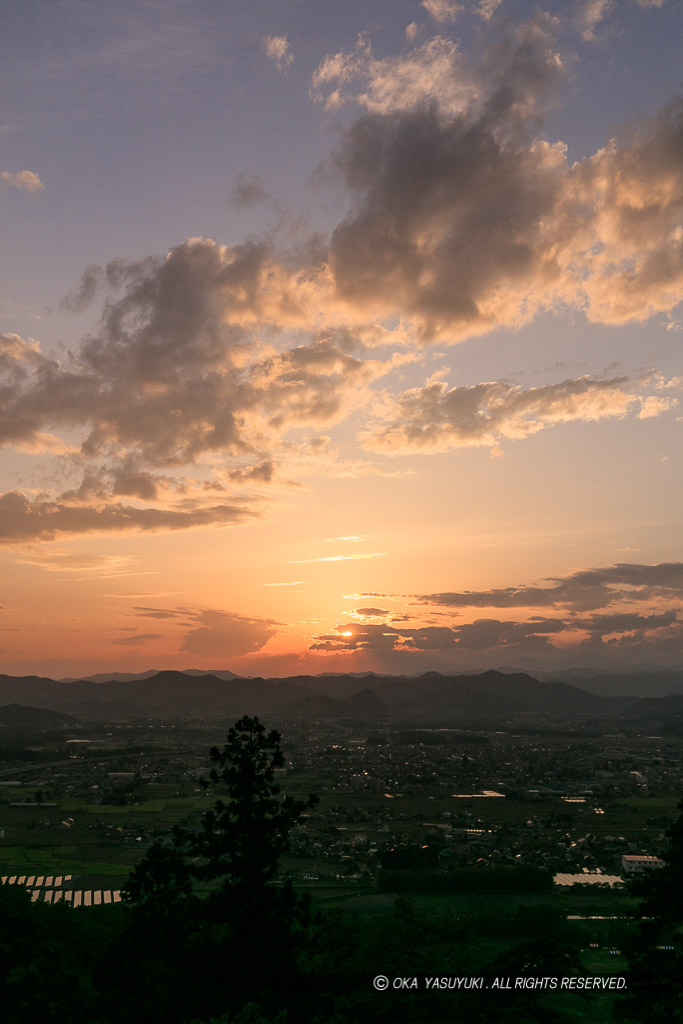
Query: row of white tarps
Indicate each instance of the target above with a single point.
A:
(588, 878)
(77, 897)
(36, 881)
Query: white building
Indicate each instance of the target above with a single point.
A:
(633, 863)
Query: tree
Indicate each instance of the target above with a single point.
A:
(159, 885)
(240, 942)
(655, 955)
(242, 838)
(48, 957)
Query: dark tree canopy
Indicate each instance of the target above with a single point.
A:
(243, 836)
(656, 960)
(243, 937)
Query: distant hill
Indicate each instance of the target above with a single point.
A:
(365, 705)
(162, 695)
(487, 697)
(127, 677)
(23, 716)
(657, 683)
(660, 714)
(490, 694)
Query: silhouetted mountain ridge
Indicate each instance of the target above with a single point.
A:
(22, 715)
(487, 696)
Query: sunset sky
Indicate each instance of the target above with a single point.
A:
(338, 337)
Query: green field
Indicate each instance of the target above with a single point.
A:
(103, 838)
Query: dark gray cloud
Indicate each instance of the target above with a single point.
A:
(382, 637)
(81, 297)
(583, 590)
(174, 375)
(135, 483)
(263, 472)
(484, 634)
(490, 633)
(372, 611)
(249, 190)
(136, 641)
(467, 219)
(22, 520)
(625, 622)
(226, 634)
(660, 633)
(174, 370)
(210, 632)
(352, 637)
(161, 613)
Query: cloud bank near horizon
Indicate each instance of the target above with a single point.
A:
(597, 622)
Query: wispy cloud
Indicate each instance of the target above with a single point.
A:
(139, 640)
(439, 418)
(294, 583)
(337, 558)
(350, 539)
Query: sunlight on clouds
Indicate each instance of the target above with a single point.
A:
(436, 418)
(42, 442)
(26, 181)
(385, 85)
(437, 186)
(442, 10)
(277, 48)
(589, 15)
(487, 8)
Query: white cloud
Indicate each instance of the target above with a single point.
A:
(442, 10)
(487, 8)
(438, 418)
(435, 69)
(277, 48)
(27, 181)
(589, 15)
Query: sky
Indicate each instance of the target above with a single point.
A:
(340, 337)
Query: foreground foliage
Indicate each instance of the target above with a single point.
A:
(655, 979)
(252, 952)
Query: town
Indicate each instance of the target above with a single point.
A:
(390, 799)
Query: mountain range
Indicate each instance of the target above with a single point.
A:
(485, 697)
